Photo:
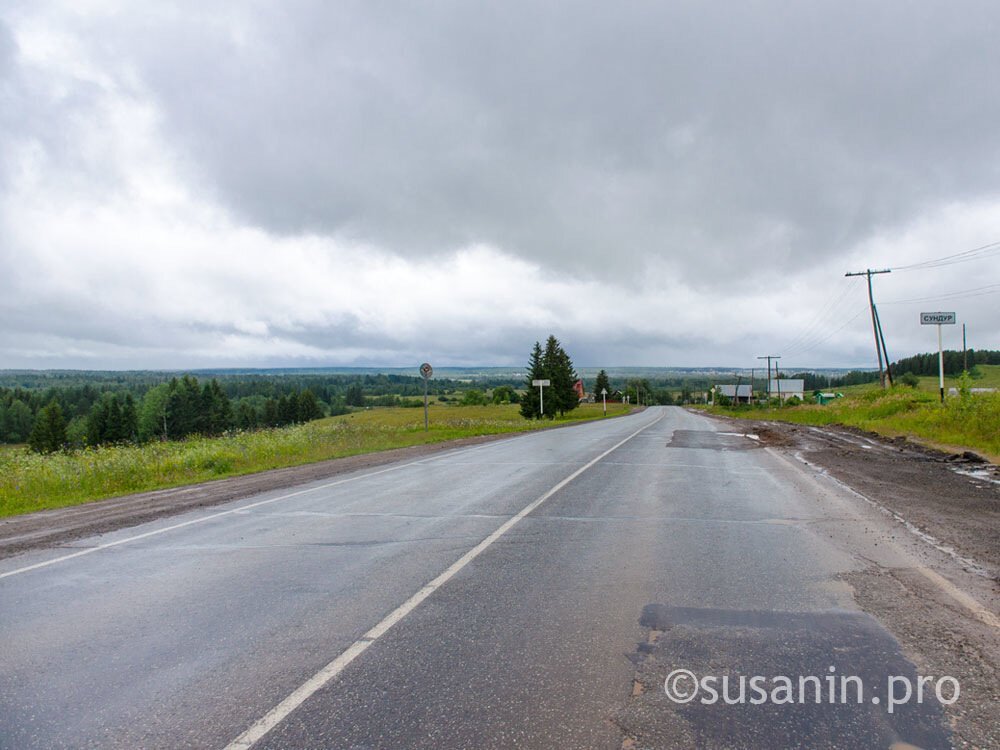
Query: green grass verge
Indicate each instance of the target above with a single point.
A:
(30, 482)
(971, 423)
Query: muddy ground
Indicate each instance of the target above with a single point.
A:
(947, 504)
(953, 498)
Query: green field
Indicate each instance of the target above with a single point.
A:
(969, 423)
(30, 482)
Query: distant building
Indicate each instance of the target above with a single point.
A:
(825, 397)
(742, 394)
(786, 388)
(954, 391)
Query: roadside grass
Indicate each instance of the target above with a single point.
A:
(988, 377)
(30, 482)
(961, 423)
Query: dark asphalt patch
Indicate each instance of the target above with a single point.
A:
(710, 440)
(722, 642)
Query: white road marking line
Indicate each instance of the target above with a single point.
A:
(301, 694)
(203, 519)
(242, 508)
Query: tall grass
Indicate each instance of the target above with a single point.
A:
(30, 482)
(971, 421)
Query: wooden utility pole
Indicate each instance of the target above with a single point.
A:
(875, 327)
(965, 351)
(769, 357)
(888, 367)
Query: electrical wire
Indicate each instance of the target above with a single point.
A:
(835, 331)
(977, 253)
(831, 311)
(821, 332)
(979, 291)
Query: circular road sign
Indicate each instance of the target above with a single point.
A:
(426, 370)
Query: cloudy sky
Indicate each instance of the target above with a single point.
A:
(197, 184)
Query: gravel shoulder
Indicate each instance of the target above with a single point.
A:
(952, 497)
(950, 504)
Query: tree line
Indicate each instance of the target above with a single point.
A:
(954, 362)
(172, 410)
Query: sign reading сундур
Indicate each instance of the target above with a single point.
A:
(937, 318)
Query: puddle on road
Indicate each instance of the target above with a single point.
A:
(710, 440)
(722, 642)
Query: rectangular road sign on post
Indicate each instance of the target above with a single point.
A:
(937, 318)
(540, 384)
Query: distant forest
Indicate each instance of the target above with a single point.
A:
(82, 408)
(918, 364)
(111, 407)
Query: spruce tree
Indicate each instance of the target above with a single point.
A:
(246, 416)
(184, 408)
(216, 409)
(602, 382)
(49, 433)
(529, 404)
(287, 410)
(130, 420)
(308, 408)
(354, 396)
(270, 417)
(558, 368)
(97, 423)
(116, 432)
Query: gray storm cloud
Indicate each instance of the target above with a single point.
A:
(685, 131)
(669, 183)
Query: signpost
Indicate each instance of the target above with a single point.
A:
(604, 400)
(540, 384)
(939, 319)
(426, 371)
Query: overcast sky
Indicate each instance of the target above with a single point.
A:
(372, 183)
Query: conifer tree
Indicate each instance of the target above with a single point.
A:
(558, 368)
(115, 431)
(130, 420)
(270, 417)
(49, 433)
(97, 423)
(602, 382)
(354, 396)
(308, 408)
(529, 404)
(287, 410)
(246, 416)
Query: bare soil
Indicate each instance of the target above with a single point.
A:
(953, 497)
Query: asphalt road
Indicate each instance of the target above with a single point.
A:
(555, 612)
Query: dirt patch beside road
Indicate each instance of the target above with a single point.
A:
(950, 501)
(954, 498)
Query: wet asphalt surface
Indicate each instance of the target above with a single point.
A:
(686, 547)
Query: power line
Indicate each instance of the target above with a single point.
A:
(835, 331)
(830, 311)
(977, 253)
(978, 291)
(822, 333)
